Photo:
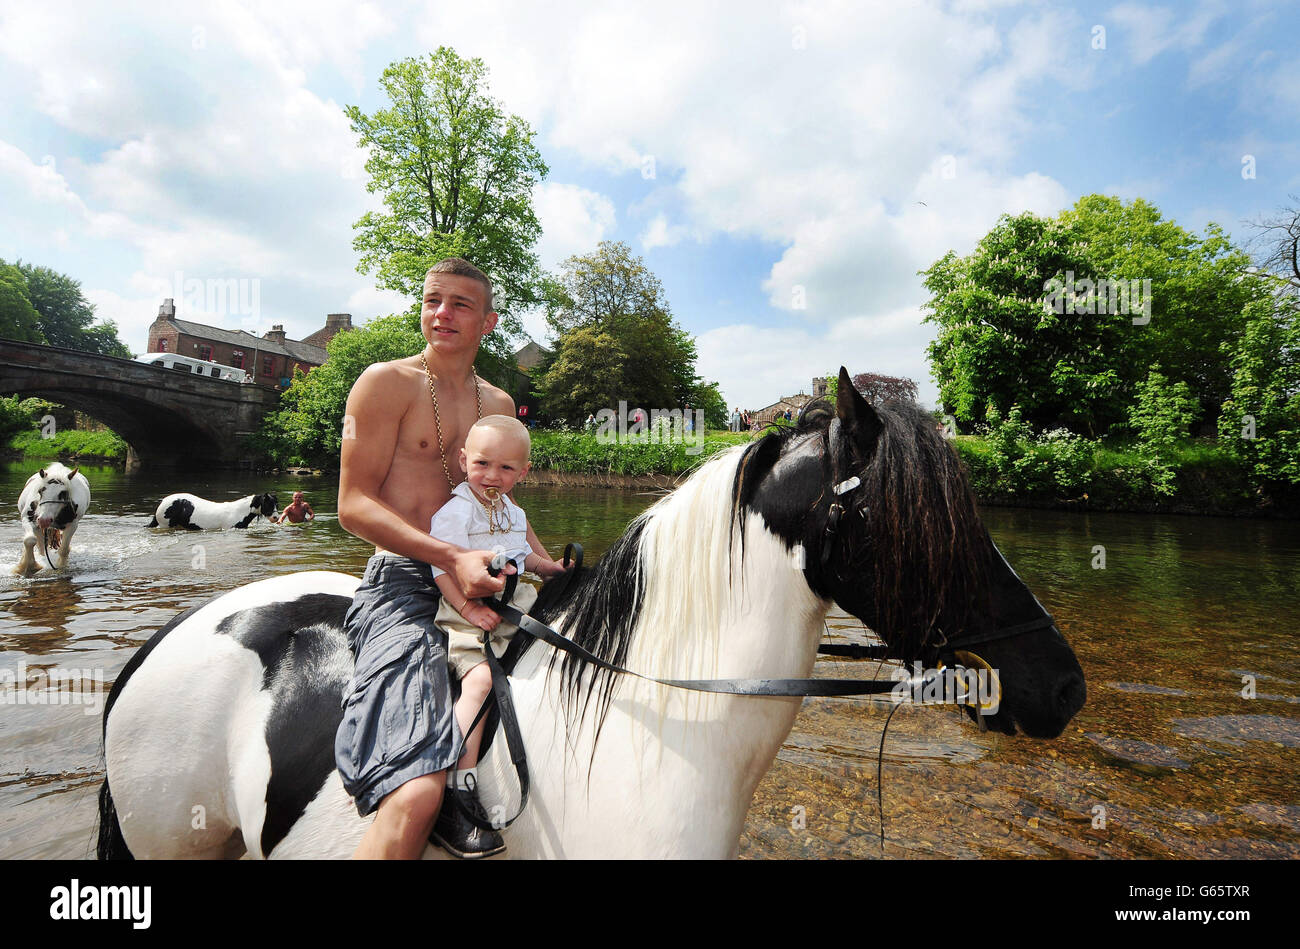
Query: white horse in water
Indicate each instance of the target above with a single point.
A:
(199, 514)
(51, 506)
(230, 710)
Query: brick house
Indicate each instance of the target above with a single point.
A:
(269, 359)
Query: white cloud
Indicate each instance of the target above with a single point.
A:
(823, 150)
(215, 160)
(756, 365)
(820, 130)
(574, 220)
(365, 303)
(1149, 31)
(659, 233)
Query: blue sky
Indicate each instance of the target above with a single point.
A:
(814, 151)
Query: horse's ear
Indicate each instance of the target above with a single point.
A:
(74, 474)
(855, 411)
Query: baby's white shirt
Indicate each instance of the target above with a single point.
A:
(463, 522)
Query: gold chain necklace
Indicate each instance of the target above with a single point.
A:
(437, 419)
(498, 521)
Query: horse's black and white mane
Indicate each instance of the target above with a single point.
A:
(909, 557)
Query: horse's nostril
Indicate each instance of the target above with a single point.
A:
(1071, 695)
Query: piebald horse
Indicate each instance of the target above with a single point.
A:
(51, 506)
(219, 733)
(199, 514)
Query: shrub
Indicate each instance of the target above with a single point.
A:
(1019, 462)
(1161, 416)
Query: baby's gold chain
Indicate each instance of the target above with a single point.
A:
(498, 521)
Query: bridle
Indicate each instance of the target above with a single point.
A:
(953, 651)
(45, 547)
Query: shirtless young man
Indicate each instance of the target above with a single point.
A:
(297, 512)
(398, 733)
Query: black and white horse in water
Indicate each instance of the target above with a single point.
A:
(197, 514)
(51, 506)
(219, 733)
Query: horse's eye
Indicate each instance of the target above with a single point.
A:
(63, 495)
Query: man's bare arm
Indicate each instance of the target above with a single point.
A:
(363, 467)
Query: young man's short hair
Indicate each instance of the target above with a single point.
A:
(459, 267)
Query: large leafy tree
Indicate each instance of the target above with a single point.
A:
(456, 175)
(1000, 344)
(18, 318)
(606, 307)
(1198, 296)
(64, 316)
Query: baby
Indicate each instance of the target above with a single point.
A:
(480, 516)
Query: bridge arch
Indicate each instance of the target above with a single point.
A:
(170, 419)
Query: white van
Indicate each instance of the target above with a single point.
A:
(198, 367)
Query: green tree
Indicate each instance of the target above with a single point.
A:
(586, 374)
(18, 318)
(1198, 294)
(308, 427)
(65, 317)
(707, 396)
(612, 294)
(456, 175)
(1002, 343)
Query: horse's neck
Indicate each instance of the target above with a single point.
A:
(664, 752)
(734, 616)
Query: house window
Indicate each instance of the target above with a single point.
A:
(205, 352)
(268, 365)
(162, 345)
(237, 359)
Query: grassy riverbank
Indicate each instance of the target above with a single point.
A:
(69, 446)
(1195, 477)
(576, 452)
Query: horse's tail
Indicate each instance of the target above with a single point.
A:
(153, 521)
(112, 845)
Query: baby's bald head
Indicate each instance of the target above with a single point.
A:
(505, 431)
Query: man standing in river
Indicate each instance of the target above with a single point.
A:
(404, 420)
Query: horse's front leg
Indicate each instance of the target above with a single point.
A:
(27, 564)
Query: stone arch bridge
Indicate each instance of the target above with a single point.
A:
(170, 419)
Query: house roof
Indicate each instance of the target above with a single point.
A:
(797, 401)
(294, 349)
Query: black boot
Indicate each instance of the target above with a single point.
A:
(455, 834)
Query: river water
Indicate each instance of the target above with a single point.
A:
(1167, 759)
